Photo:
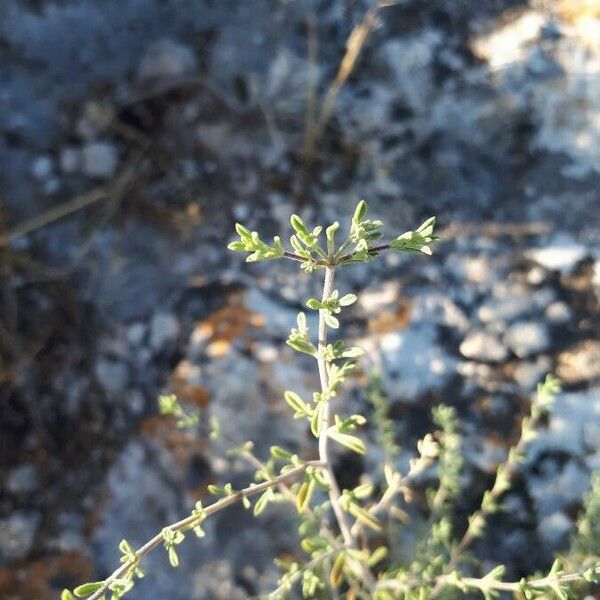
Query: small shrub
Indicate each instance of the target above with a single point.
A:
(347, 535)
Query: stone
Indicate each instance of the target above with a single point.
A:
(560, 254)
(556, 491)
(42, 167)
(559, 313)
(136, 333)
(164, 330)
(554, 529)
(166, 59)
(22, 480)
(111, 375)
(412, 362)
(17, 534)
(100, 160)
(483, 346)
(580, 363)
(573, 426)
(70, 160)
(527, 338)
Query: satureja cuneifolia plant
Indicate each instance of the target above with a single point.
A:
(342, 557)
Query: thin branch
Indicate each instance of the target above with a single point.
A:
(192, 520)
(480, 583)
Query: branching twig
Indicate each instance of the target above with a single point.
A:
(192, 520)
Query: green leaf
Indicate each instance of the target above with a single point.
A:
(297, 404)
(302, 346)
(278, 452)
(364, 517)
(359, 212)
(348, 299)
(331, 321)
(304, 495)
(173, 558)
(298, 225)
(88, 588)
(349, 441)
(314, 304)
(67, 595)
(377, 556)
(337, 570)
(262, 502)
(316, 421)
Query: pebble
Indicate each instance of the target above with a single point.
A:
(164, 330)
(558, 313)
(42, 168)
(22, 480)
(526, 338)
(136, 333)
(111, 375)
(100, 160)
(554, 529)
(17, 534)
(483, 346)
(70, 160)
(166, 59)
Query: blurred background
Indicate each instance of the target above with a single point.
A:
(135, 133)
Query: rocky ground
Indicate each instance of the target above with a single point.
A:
(141, 131)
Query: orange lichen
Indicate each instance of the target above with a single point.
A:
(393, 319)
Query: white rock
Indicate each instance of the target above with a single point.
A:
(164, 330)
(166, 59)
(573, 428)
(525, 338)
(483, 346)
(412, 361)
(70, 160)
(100, 160)
(42, 167)
(561, 255)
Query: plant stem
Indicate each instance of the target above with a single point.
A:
(192, 520)
(334, 490)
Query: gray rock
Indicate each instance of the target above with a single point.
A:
(483, 346)
(17, 534)
(42, 167)
(144, 493)
(554, 529)
(166, 59)
(111, 375)
(100, 160)
(554, 491)
(526, 338)
(22, 480)
(70, 160)
(136, 334)
(164, 330)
